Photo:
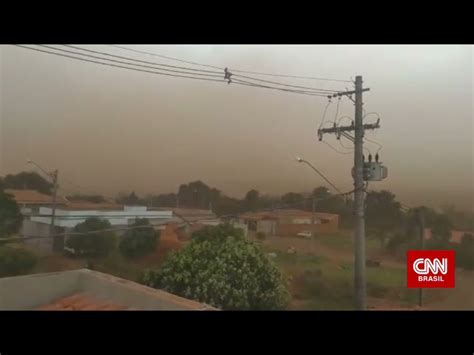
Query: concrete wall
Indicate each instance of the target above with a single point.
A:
(267, 226)
(132, 294)
(30, 228)
(32, 291)
(293, 229)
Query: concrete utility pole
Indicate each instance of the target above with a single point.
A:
(57, 239)
(421, 221)
(358, 127)
(359, 195)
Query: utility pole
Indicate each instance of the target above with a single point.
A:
(358, 127)
(421, 223)
(359, 195)
(56, 239)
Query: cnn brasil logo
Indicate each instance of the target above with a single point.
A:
(430, 269)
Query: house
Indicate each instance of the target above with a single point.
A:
(455, 237)
(289, 222)
(30, 201)
(67, 217)
(190, 220)
(85, 289)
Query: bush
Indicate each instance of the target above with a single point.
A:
(465, 255)
(92, 244)
(261, 236)
(140, 241)
(15, 261)
(10, 216)
(224, 269)
(220, 232)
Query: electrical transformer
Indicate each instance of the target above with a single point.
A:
(373, 171)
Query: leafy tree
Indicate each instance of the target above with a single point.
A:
(219, 232)
(441, 228)
(261, 236)
(131, 200)
(164, 200)
(88, 198)
(92, 244)
(251, 200)
(222, 269)
(292, 198)
(28, 180)
(10, 216)
(383, 214)
(465, 255)
(15, 261)
(321, 192)
(140, 241)
(227, 205)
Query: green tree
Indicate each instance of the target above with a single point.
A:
(441, 228)
(10, 216)
(251, 200)
(383, 214)
(92, 244)
(88, 198)
(28, 180)
(15, 261)
(139, 241)
(292, 198)
(219, 233)
(261, 236)
(465, 255)
(321, 192)
(224, 270)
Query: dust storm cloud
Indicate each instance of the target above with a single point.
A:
(110, 130)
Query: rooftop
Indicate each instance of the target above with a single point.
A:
(33, 197)
(85, 289)
(286, 212)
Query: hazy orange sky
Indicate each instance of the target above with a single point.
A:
(110, 130)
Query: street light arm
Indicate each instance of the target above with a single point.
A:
(39, 167)
(319, 173)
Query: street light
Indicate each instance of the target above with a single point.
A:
(54, 177)
(300, 160)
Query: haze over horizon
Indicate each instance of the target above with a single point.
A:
(112, 130)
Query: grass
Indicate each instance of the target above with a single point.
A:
(318, 283)
(344, 241)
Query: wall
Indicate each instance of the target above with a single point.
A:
(30, 228)
(267, 226)
(31, 291)
(293, 229)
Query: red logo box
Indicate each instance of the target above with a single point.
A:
(430, 269)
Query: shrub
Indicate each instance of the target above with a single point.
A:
(224, 269)
(261, 236)
(92, 244)
(140, 241)
(15, 261)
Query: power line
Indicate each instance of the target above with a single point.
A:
(287, 85)
(144, 61)
(247, 83)
(337, 151)
(240, 82)
(172, 66)
(127, 63)
(119, 66)
(166, 57)
(234, 70)
(290, 76)
(324, 113)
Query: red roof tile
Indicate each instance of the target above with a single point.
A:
(81, 302)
